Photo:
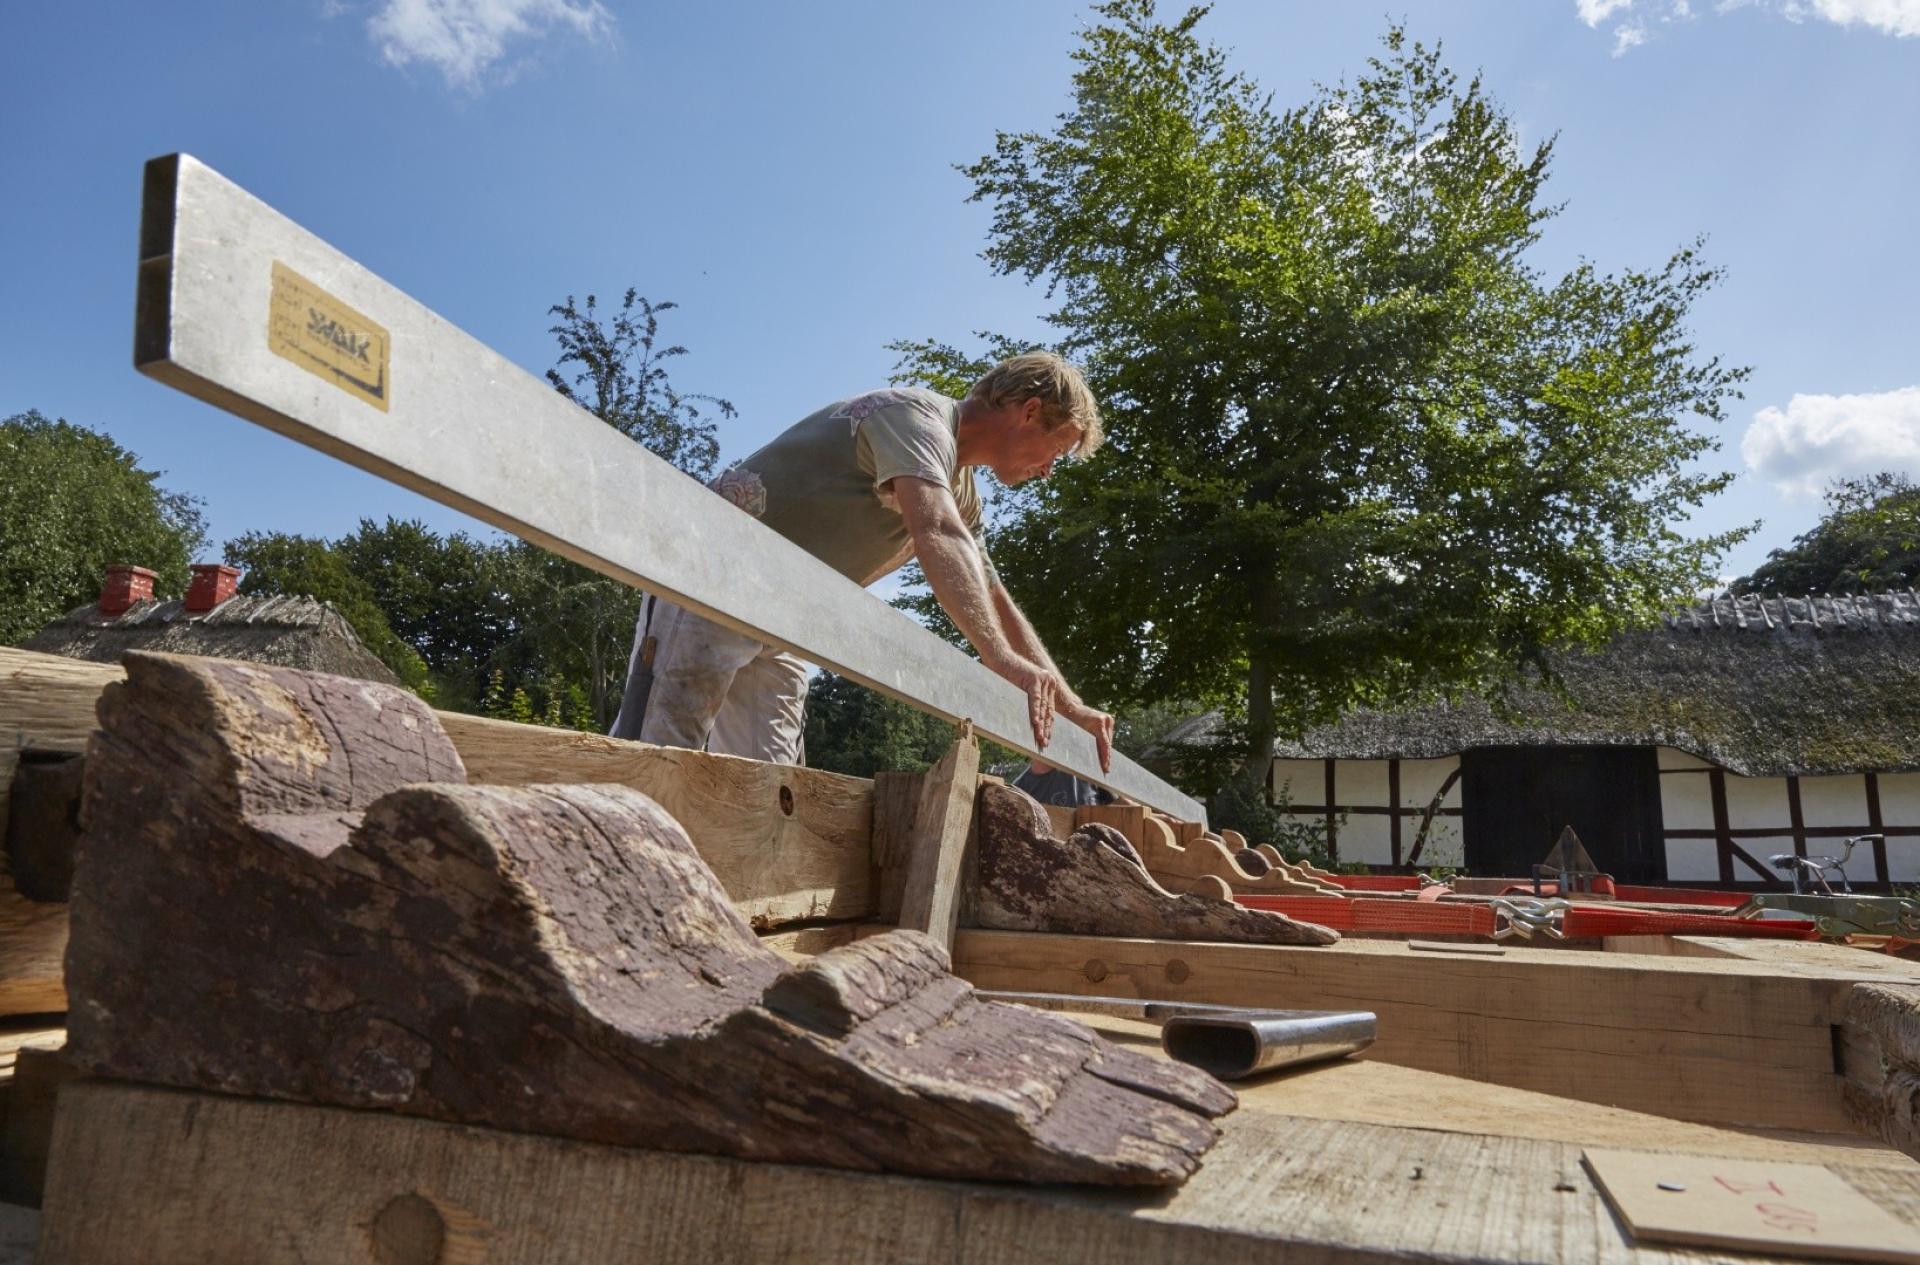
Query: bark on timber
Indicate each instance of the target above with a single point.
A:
(1093, 884)
(286, 889)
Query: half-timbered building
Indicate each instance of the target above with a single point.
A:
(1738, 729)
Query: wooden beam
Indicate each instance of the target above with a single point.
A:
(789, 844)
(299, 897)
(225, 283)
(943, 820)
(1092, 883)
(280, 1181)
(1728, 1042)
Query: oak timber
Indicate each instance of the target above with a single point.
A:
(285, 888)
(942, 823)
(1718, 1041)
(1371, 1092)
(787, 843)
(277, 1181)
(1093, 883)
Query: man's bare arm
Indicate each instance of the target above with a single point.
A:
(951, 559)
(1027, 642)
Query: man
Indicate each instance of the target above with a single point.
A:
(864, 485)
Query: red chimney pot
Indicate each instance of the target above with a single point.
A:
(125, 586)
(212, 584)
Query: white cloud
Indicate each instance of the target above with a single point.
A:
(1817, 438)
(1898, 18)
(464, 39)
(1594, 12)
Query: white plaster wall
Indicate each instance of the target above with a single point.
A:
(1686, 802)
(1445, 842)
(1300, 781)
(1367, 837)
(1764, 846)
(1419, 779)
(1360, 782)
(1900, 799)
(1756, 803)
(1674, 758)
(1840, 800)
(1692, 860)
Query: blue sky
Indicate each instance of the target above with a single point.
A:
(785, 172)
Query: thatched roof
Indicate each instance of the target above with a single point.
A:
(1761, 686)
(293, 632)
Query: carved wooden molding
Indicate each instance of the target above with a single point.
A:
(287, 890)
(1093, 883)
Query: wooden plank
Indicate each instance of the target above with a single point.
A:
(1371, 1092)
(451, 421)
(787, 843)
(930, 896)
(1129, 819)
(277, 1181)
(32, 1090)
(1716, 1041)
(896, 802)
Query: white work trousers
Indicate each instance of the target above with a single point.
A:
(692, 683)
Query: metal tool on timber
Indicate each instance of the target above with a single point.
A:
(243, 308)
(1231, 1042)
(1838, 915)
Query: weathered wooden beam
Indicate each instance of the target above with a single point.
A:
(789, 844)
(243, 308)
(1696, 1039)
(285, 888)
(266, 1181)
(1093, 883)
(942, 823)
(1879, 1051)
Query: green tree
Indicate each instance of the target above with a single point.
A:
(621, 378)
(851, 729)
(1362, 450)
(72, 502)
(304, 566)
(1869, 540)
(574, 620)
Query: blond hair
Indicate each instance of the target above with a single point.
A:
(1062, 392)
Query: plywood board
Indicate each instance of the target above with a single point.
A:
(1748, 1205)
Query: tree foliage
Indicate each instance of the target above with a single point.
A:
(621, 378)
(1868, 540)
(1361, 449)
(853, 730)
(72, 502)
(277, 563)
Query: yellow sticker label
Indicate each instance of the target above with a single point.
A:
(327, 338)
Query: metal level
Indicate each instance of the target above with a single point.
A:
(243, 308)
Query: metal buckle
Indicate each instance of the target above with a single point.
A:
(1519, 916)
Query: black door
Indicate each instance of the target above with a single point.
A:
(1515, 801)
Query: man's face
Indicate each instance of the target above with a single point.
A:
(1029, 449)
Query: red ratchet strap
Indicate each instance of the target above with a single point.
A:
(1358, 913)
(1603, 886)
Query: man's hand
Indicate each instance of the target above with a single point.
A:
(1045, 691)
(1095, 722)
